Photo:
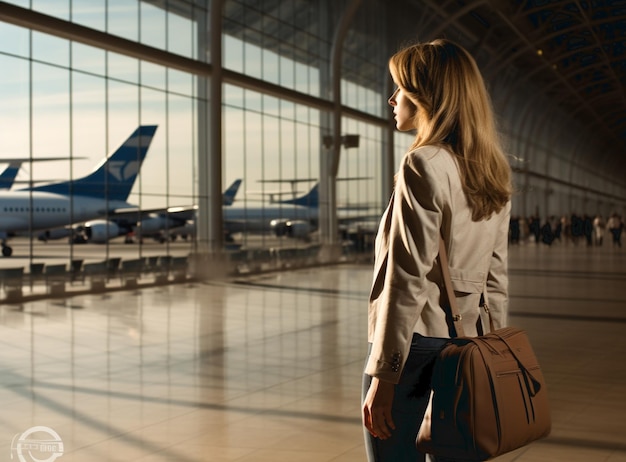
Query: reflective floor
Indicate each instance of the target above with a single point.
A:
(269, 368)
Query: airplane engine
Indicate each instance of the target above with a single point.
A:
(153, 224)
(100, 231)
(292, 228)
(299, 229)
(279, 227)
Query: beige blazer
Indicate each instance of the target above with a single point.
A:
(407, 285)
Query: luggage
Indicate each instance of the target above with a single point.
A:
(488, 395)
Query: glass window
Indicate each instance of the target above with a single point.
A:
(88, 59)
(89, 13)
(180, 82)
(123, 18)
(50, 115)
(182, 33)
(15, 114)
(51, 50)
(153, 75)
(253, 60)
(14, 40)
(232, 54)
(182, 152)
(122, 68)
(57, 8)
(153, 30)
(89, 107)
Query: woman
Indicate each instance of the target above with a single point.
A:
(454, 182)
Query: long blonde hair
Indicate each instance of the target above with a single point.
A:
(454, 110)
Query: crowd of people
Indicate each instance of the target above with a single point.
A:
(572, 229)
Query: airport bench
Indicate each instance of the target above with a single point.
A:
(179, 267)
(112, 267)
(12, 280)
(150, 264)
(36, 273)
(131, 271)
(76, 267)
(97, 275)
(161, 269)
(56, 276)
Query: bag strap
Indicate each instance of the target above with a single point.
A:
(454, 313)
(447, 283)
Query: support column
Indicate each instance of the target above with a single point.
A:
(331, 152)
(209, 219)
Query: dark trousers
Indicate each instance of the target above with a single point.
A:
(410, 401)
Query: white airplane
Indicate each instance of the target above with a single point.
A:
(296, 218)
(104, 192)
(160, 224)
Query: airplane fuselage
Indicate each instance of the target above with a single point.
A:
(259, 219)
(24, 211)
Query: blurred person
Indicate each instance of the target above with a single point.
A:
(616, 226)
(534, 225)
(566, 228)
(514, 230)
(547, 233)
(588, 229)
(598, 230)
(577, 227)
(454, 182)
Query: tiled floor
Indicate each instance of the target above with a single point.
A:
(269, 368)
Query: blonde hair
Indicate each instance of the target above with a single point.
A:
(454, 111)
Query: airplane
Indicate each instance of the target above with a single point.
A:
(296, 218)
(293, 218)
(298, 221)
(159, 224)
(179, 220)
(288, 218)
(104, 192)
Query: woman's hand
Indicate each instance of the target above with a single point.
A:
(377, 409)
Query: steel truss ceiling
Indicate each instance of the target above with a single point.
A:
(574, 51)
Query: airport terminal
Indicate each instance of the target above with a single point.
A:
(190, 191)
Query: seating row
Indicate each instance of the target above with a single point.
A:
(96, 274)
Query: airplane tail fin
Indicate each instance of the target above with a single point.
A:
(115, 176)
(310, 199)
(7, 177)
(231, 192)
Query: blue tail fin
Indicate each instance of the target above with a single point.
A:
(310, 199)
(114, 177)
(7, 177)
(231, 192)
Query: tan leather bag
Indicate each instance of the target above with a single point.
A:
(488, 394)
